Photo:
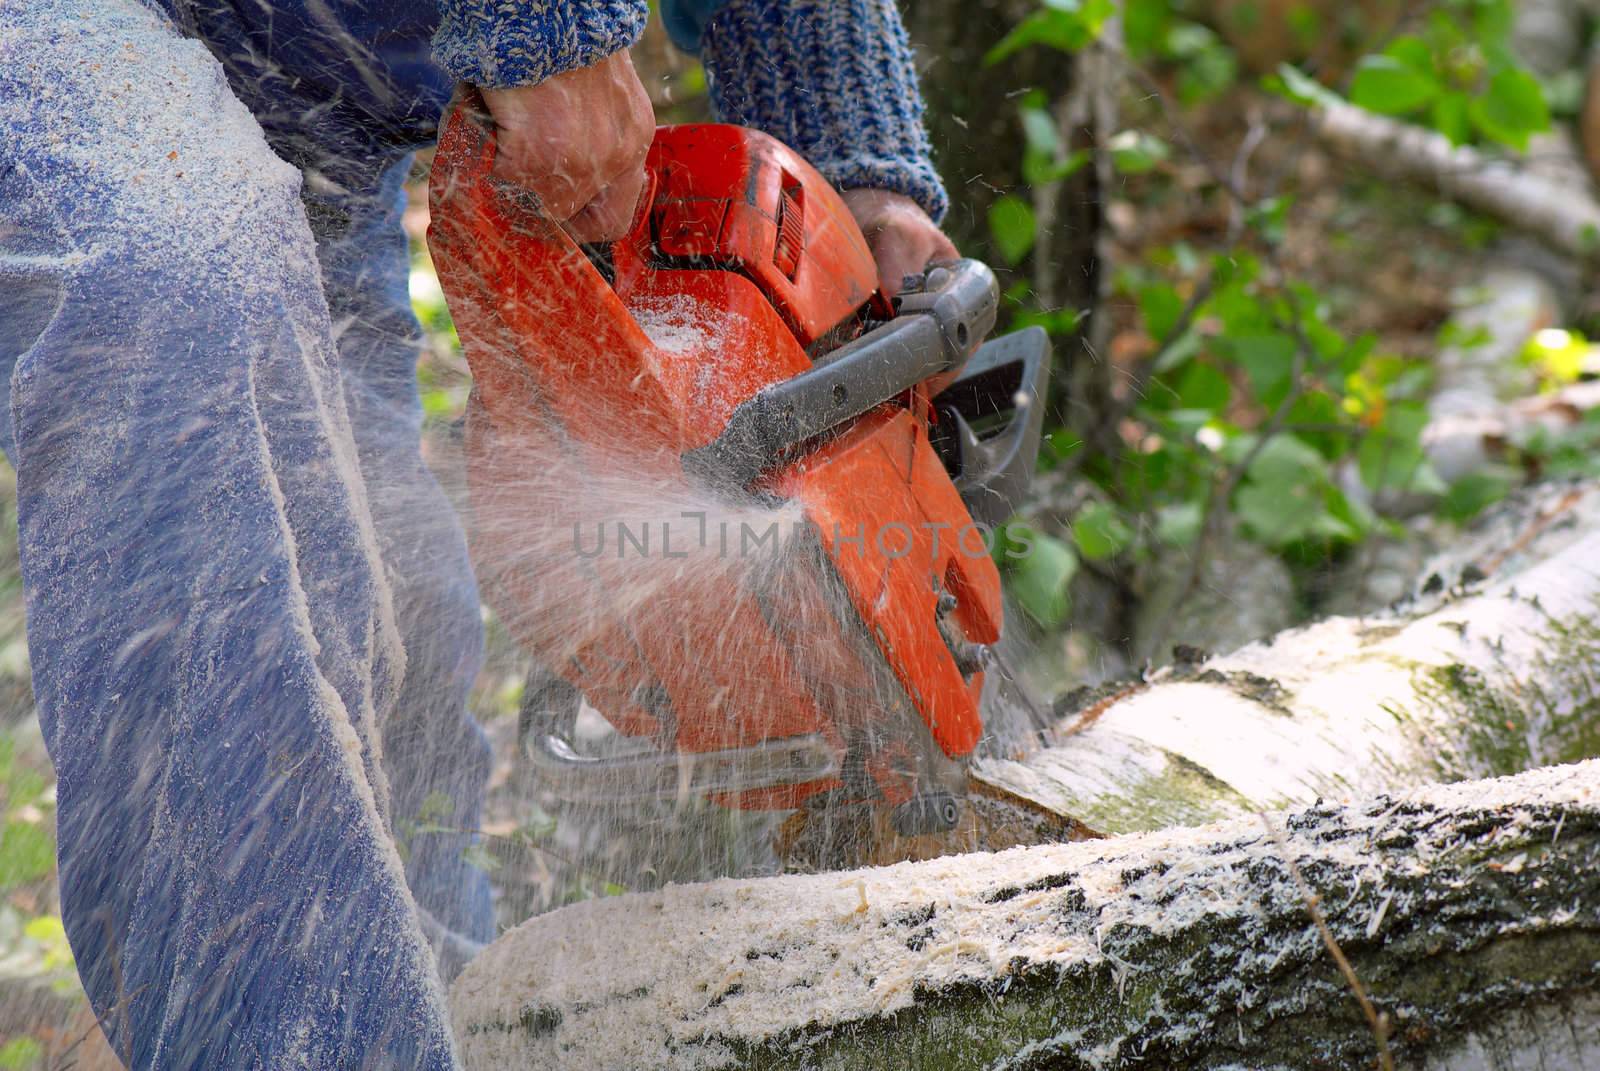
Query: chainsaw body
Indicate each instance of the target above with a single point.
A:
(862, 672)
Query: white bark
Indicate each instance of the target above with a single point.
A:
(1471, 912)
(1480, 677)
(1492, 319)
(1463, 909)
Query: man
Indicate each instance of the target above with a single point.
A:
(251, 617)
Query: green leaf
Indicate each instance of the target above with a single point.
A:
(538, 824)
(1202, 386)
(1206, 66)
(1144, 26)
(1412, 51)
(1286, 459)
(1284, 496)
(1179, 353)
(1100, 532)
(1039, 130)
(427, 297)
(1385, 85)
(1268, 360)
(1449, 116)
(23, 788)
(1058, 322)
(1307, 25)
(1187, 423)
(1270, 218)
(1134, 152)
(1277, 515)
(1302, 88)
(1511, 109)
(1564, 93)
(1065, 25)
(1161, 307)
(480, 858)
(436, 807)
(1037, 170)
(47, 929)
(692, 82)
(1012, 224)
(1559, 354)
(1474, 493)
(1391, 455)
(1319, 412)
(440, 404)
(1060, 445)
(1040, 574)
(1349, 518)
(1042, 158)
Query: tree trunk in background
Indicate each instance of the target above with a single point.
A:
(978, 143)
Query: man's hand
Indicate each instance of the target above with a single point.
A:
(902, 238)
(578, 141)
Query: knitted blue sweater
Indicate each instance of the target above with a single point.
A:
(833, 79)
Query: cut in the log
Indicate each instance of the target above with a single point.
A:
(1467, 912)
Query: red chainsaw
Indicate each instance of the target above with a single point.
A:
(886, 434)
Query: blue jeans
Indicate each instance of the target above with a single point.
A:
(251, 617)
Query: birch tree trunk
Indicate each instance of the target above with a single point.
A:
(1558, 209)
(1492, 667)
(1470, 913)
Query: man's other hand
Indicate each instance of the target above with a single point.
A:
(578, 141)
(902, 238)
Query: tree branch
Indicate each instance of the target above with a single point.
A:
(1562, 214)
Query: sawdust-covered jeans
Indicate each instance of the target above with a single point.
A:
(251, 617)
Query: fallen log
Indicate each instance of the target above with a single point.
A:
(1557, 209)
(1491, 668)
(1469, 913)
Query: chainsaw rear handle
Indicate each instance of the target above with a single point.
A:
(941, 319)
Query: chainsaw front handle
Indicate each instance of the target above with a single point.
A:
(942, 317)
